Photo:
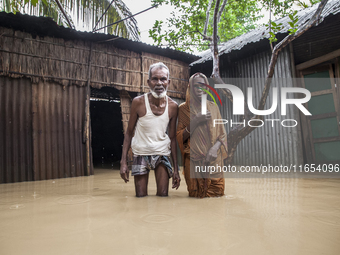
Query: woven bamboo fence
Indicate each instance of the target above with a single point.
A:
(66, 62)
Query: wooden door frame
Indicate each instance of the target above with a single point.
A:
(308, 139)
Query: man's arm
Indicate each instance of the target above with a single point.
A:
(124, 170)
(172, 135)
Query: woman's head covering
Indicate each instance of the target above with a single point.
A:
(196, 102)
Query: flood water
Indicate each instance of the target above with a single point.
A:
(101, 215)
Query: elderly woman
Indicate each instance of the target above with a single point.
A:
(201, 144)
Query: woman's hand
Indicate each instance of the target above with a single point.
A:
(201, 118)
(212, 153)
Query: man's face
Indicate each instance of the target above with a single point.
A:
(159, 82)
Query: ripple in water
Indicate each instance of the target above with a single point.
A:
(17, 206)
(10, 199)
(99, 191)
(157, 218)
(229, 197)
(73, 199)
(327, 217)
(33, 197)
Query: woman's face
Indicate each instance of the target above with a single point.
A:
(197, 84)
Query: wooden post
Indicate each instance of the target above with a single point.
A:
(125, 104)
(86, 132)
(142, 73)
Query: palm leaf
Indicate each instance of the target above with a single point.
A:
(85, 14)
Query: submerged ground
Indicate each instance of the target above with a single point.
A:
(100, 215)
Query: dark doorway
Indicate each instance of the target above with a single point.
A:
(107, 131)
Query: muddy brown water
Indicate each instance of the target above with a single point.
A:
(101, 215)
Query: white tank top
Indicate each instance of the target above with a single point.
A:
(150, 134)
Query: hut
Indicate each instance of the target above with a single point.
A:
(315, 54)
(54, 81)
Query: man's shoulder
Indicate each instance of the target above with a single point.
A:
(172, 103)
(138, 99)
(173, 108)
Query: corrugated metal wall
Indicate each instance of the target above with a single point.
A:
(265, 145)
(15, 130)
(58, 116)
(40, 130)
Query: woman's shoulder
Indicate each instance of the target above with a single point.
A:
(212, 104)
(182, 106)
(212, 107)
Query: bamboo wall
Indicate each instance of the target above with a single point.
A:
(66, 63)
(125, 106)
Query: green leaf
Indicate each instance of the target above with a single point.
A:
(237, 18)
(34, 2)
(87, 12)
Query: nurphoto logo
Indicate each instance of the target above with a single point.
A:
(238, 103)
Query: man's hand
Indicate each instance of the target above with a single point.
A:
(176, 180)
(124, 172)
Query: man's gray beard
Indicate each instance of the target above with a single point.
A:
(163, 94)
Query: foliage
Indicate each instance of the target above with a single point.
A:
(85, 13)
(273, 29)
(277, 7)
(305, 5)
(183, 30)
(292, 23)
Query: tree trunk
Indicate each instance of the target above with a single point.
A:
(240, 132)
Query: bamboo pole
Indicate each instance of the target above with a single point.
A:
(142, 72)
(86, 132)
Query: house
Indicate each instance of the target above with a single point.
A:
(54, 81)
(315, 54)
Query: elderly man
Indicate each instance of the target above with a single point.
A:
(151, 115)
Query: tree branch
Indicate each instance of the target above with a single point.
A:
(221, 10)
(65, 15)
(214, 48)
(103, 15)
(270, 22)
(278, 47)
(244, 131)
(205, 37)
(207, 18)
